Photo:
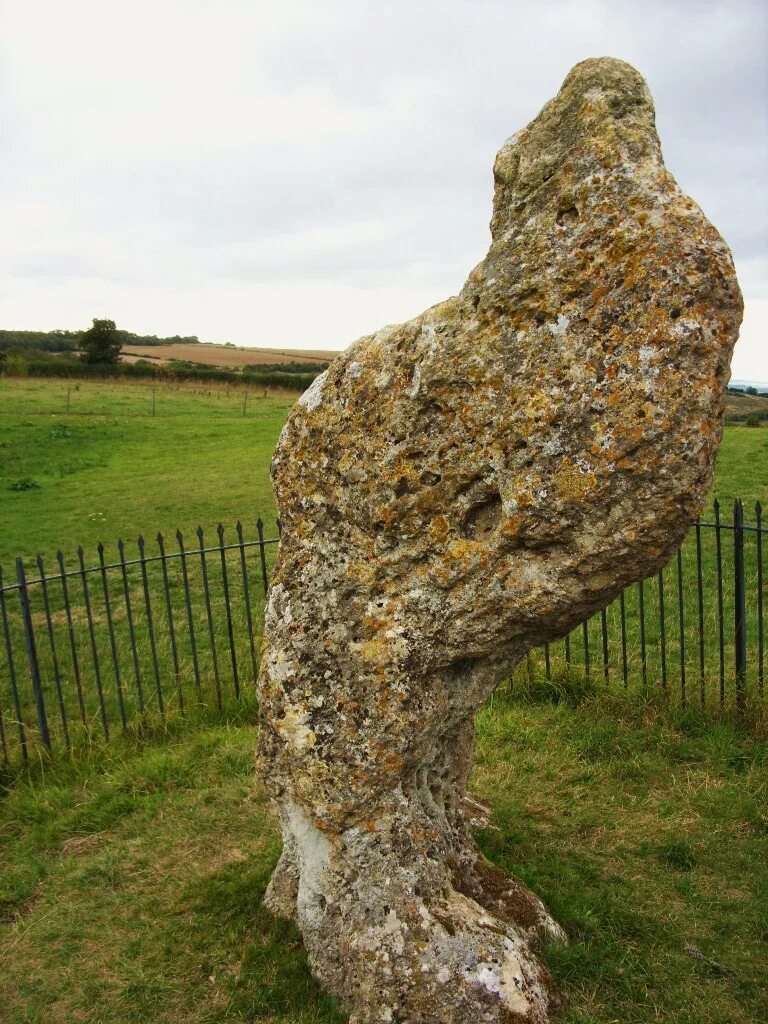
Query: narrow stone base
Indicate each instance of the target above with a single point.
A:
(400, 929)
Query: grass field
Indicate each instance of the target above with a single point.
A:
(122, 897)
(110, 469)
(131, 880)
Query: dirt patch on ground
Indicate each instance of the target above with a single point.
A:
(220, 355)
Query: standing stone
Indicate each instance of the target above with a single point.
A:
(455, 491)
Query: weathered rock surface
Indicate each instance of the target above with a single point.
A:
(454, 491)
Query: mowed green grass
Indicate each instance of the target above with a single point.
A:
(109, 469)
(131, 874)
(131, 878)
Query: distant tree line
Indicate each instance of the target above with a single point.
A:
(258, 368)
(747, 389)
(69, 341)
(101, 344)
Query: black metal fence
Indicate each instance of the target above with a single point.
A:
(90, 650)
(695, 632)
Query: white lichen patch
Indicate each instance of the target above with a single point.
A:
(313, 396)
(294, 729)
(560, 326)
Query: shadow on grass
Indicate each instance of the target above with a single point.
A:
(274, 980)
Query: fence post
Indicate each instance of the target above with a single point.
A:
(720, 628)
(12, 671)
(760, 640)
(740, 602)
(34, 667)
(264, 577)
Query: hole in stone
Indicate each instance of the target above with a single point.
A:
(567, 216)
(403, 486)
(430, 479)
(482, 519)
(475, 301)
(675, 313)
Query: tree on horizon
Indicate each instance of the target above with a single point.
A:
(101, 343)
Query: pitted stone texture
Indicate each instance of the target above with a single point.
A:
(454, 491)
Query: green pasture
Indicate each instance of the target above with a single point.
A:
(109, 469)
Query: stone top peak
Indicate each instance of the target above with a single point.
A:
(602, 121)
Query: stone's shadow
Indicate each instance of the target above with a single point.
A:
(274, 981)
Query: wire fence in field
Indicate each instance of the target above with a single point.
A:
(145, 632)
(125, 397)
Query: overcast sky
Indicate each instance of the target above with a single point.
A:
(298, 174)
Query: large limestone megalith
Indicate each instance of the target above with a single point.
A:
(454, 491)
